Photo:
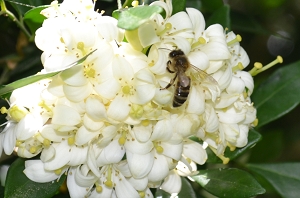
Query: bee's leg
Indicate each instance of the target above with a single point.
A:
(168, 67)
(170, 83)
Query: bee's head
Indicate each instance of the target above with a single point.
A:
(175, 53)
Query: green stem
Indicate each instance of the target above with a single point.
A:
(6, 12)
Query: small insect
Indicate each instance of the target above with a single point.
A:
(178, 63)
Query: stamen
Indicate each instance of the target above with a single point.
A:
(224, 159)
(142, 194)
(122, 139)
(238, 38)
(258, 68)
(58, 171)
(231, 147)
(238, 67)
(46, 143)
(255, 122)
(158, 148)
(45, 106)
(200, 41)
(71, 141)
(108, 181)
(168, 26)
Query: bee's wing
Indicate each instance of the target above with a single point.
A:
(202, 75)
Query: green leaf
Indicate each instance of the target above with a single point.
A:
(220, 16)
(23, 82)
(232, 183)
(211, 5)
(253, 138)
(161, 194)
(34, 19)
(6, 89)
(132, 18)
(17, 185)
(278, 95)
(178, 6)
(285, 177)
(186, 189)
(22, 6)
(246, 23)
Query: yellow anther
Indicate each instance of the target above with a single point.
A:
(58, 171)
(126, 89)
(109, 183)
(145, 122)
(238, 67)
(142, 194)
(151, 64)
(18, 143)
(62, 40)
(238, 38)
(135, 3)
(258, 68)
(33, 149)
(159, 149)
(71, 141)
(224, 159)
(122, 140)
(231, 147)
(168, 27)
(17, 113)
(90, 72)
(200, 41)
(99, 189)
(255, 122)
(46, 143)
(136, 111)
(80, 45)
(245, 94)
(258, 65)
(3, 110)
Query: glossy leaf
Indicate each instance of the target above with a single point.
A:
(132, 18)
(186, 189)
(17, 185)
(232, 183)
(31, 79)
(22, 6)
(278, 95)
(253, 138)
(285, 177)
(178, 6)
(220, 16)
(34, 19)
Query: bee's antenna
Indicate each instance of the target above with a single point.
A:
(164, 48)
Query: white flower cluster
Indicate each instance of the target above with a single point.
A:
(108, 122)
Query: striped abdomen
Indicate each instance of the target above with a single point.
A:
(181, 94)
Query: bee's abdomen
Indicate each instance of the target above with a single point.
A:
(180, 95)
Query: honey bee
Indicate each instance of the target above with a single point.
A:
(178, 63)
